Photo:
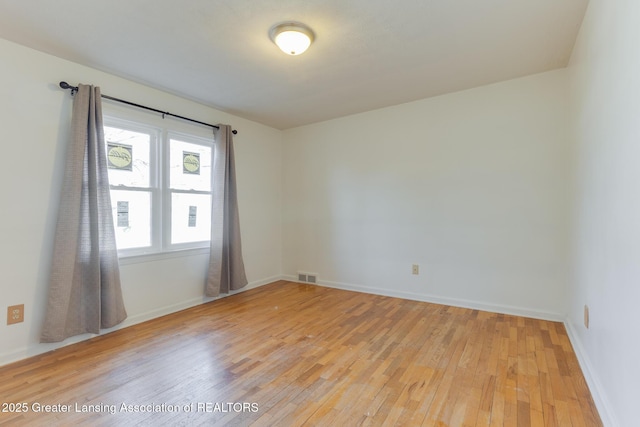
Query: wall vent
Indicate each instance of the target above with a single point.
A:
(307, 277)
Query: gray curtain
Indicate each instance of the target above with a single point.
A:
(226, 267)
(84, 288)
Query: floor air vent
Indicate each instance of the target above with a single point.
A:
(307, 277)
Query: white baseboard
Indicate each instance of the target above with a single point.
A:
(594, 384)
(143, 317)
(40, 348)
(456, 302)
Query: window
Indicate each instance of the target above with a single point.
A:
(160, 187)
(190, 189)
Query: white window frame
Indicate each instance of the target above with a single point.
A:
(168, 191)
(161, 131)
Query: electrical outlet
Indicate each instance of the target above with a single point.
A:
(15, 314)
(586, 316)
(415, 269)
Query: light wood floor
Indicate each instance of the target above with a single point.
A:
(287, 354)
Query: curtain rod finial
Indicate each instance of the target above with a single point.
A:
(65, 85)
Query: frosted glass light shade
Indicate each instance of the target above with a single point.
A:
(292, 38)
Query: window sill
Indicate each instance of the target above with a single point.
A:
(125, 259)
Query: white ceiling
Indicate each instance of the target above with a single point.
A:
(367, 54)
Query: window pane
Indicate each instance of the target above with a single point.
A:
(190, 166)
(131, 218)
(190, 218)
(128, 156)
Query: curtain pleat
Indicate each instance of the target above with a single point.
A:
(226, 266)
(84, 288)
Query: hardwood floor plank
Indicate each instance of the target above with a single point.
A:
(524, 414)
(288, 354)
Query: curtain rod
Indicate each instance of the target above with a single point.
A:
(74, 89)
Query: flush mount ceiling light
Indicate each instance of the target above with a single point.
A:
(293, 38)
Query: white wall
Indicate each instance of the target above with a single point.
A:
(605, 79)
(35, 115)
(472, 186)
